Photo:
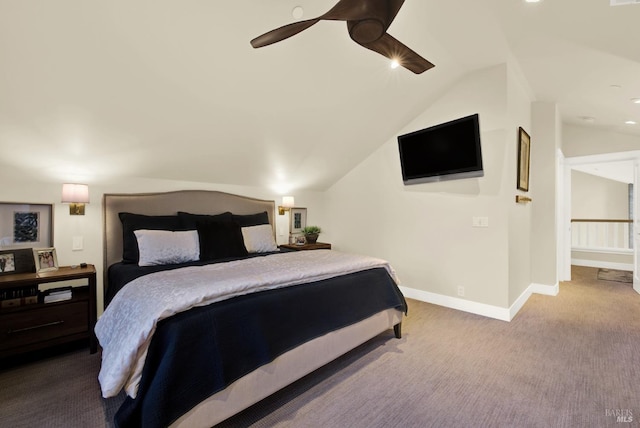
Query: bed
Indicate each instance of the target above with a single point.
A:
(241, 325)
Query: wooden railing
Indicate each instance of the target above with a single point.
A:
(605, 235)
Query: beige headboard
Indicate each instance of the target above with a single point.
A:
(169, 203)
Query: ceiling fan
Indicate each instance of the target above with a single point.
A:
(367, 23)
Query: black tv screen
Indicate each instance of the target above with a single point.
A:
(446, 151)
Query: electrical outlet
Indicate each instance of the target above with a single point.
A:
(461, 291)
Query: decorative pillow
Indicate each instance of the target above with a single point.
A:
(164, 247)
(189, 221)
(220, 239)
(132, 222)
(259, 239)
(251, 219)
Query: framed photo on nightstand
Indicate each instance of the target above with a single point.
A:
(45, 259)
(7, 262)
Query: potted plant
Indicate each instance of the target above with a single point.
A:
(311, 234)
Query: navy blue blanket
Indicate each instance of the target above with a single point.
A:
(199, 352)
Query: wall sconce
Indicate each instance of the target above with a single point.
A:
(523, 199)
(287, 203)
(76, 195)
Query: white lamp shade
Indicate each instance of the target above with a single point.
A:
(75, 193)
(288, 201)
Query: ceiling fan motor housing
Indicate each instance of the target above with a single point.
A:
(372, 23)
(366, 30)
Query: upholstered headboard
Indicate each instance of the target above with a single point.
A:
(169, 203)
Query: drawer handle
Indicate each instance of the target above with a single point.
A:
(49, 324)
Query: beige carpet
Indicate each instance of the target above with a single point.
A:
(567, 361)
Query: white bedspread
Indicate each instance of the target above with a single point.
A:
(127, 325)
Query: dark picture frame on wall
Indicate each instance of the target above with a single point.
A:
(524, 159)
(25, 225)
(297, 220)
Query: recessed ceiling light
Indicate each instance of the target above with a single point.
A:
(587, 119)
(297, 12)
(615, 86)
(630, 122)
(532, 1)
(395, 64)
(635, 100)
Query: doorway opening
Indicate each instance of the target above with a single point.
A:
(600, 213)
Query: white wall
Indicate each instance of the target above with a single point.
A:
(519, 231)
(425, 230)
(589, 140)
(546, 140)
(595, 197)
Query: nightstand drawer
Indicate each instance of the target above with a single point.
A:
(43, 323)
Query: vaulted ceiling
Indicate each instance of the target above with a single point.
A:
(173, 90)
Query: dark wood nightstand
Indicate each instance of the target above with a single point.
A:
(40, 325)
(316, 246)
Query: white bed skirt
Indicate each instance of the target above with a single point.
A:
(285, 370)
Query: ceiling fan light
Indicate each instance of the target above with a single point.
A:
(395, 64)
(635, 100)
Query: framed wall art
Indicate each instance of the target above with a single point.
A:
(45, 259)
(297, 220)
(25, 225)
(524, 155)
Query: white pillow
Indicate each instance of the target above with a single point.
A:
(165, 247)
(259, 239)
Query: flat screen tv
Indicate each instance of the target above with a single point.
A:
(446, 151)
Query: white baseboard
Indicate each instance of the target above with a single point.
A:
(490, 311)
(548, 290)
(457, 303)
(601, 264)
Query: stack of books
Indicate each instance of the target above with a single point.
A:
(13, 297)
(57, 294)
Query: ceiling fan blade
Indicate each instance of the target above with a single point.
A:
(282, 33)
(354, 10)
(393, 49)
(394, 8)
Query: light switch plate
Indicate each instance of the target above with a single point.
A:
(480, 221)
(78, 243)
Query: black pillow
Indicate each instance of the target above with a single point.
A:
(189, 220)
(220, 239)
(132, 222)
(252, 219)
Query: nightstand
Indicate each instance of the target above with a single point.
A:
(316, 246)
(39, 325)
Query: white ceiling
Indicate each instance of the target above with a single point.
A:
(176, 86)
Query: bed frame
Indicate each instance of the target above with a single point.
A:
(285, 369)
